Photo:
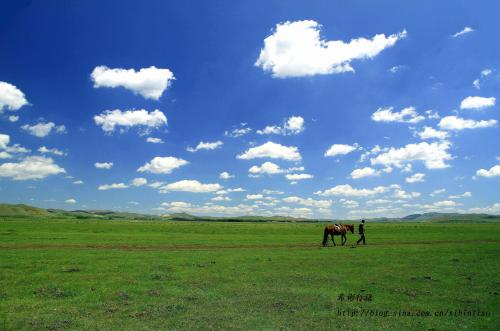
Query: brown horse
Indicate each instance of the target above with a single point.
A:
(337, 230)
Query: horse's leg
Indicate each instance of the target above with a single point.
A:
(344, 239)
(333, 239)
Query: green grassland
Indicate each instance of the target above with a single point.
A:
(84, 274)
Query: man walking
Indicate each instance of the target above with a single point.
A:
(361, 230)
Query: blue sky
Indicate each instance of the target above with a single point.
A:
(318, 109)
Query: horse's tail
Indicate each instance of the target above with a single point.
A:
(325, 236)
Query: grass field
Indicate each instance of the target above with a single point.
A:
(123, 275)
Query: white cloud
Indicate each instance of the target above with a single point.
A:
(238, 132)
(492, 172)
(13, 118)
(438, 191)
(206, 146)
(340, 149)
(6, 149)
(463, 31)
(162, 165)
(149, 82)
(476, 83)
(254, 196)
(41, 129)
(266, 191)
(493, 209)
(109, 119)
(154, 140)
(225, 175)
(364, 172)
(348, 191)
(415, 178)
(268, 168)
(463, 195)
(11, 98)
(273, 151)
(350, 203)
(457, 123)
(298, 176)
(207, 209)
(221, 198)
(293, 125)
(55, 151)
(32, 167)
(430, 133)
(477, 102)
(378, 202)
(434, 155)
(308, 202)
(396, 68)
(191, 186)
(296, 49)
(103, 165)
(406, 115)
(486, 72)
(71, 201)
(402, 194)
(113, 186)
(139, 181)
(78, 182)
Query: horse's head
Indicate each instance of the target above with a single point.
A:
(350, 227)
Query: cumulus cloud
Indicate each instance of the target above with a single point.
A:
(207, 209)
(415, 178)
(273, 151)
(293, 125)
(103, 165)
(225, 175)
(459, 196)
(110, 119)
(78, 182)
(206, 146)
(296, 49)
(465, 30)
(406, 115)
(298, 176)
(149, 82)
(55, 151)
(457, 123)
(32, 167)
(154, 140)
(340, 149)
(434, 155)
(163, 165)
(477, 102)
(268, 168)
(11, 98)
(431, 133)
(493, 209)
(113, 186)
(41, 129)
(347, 190)
(7, 150)
(13, 118)
(254, 196)
(492, 172)
(238, 132)
(139, 181)
(364, 172)
(71, 201)
(193, 186)
(308, 202)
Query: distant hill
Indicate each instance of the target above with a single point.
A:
(22, 210)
